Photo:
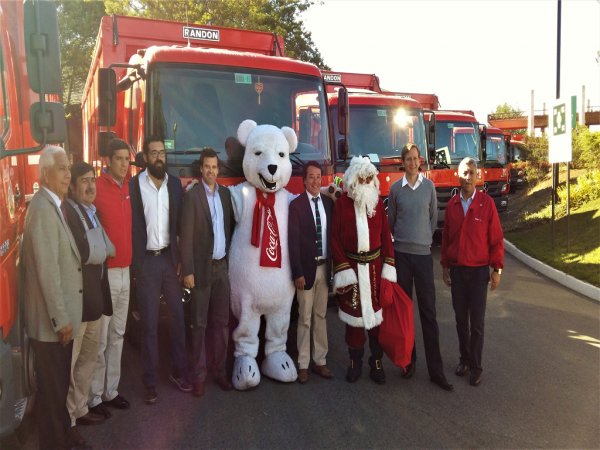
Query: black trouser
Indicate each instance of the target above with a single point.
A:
(419, 269)
(469, 296)
(53, 373)
(213, 300)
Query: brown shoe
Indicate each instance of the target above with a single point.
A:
(90, 419)
(302, 375)
(77, 438)
(321, 370)
(224, 383)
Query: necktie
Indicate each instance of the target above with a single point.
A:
(63, 210)
(318, 220)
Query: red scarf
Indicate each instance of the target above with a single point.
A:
(270, 253)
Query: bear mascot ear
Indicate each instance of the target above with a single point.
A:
(244, 130)
(290, 135)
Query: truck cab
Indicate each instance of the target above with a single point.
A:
(516, 164)
(495, 168)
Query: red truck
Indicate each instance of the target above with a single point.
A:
(516, 164)
(380, 125)
(30, 75)
(496, 173)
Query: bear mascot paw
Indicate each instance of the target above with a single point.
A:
(259, 266)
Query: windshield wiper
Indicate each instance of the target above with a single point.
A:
(441, 165)
(493, 164)
(297, 159)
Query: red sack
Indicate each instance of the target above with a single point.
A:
(397, 331)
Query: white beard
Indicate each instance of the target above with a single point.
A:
(365, 195)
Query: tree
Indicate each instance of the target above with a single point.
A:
(79, 23)
(275, 16)
(508, 111)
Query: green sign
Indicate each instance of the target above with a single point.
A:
(243, 78)
(573, 111)
(169, 144)
(559, 120)
(381, 112)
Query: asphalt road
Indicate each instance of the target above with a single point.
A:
(540, 389)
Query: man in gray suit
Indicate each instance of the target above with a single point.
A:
(206, 226)
(52, 292)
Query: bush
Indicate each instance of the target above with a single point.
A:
(586, 149)
(535, 152)
(586, 190)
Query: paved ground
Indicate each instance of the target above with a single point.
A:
(540, 389)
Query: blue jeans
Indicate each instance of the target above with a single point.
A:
(418, 270)
(159, 275)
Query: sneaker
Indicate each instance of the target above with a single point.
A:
(101, 410)
(150, 395)
(181, 382)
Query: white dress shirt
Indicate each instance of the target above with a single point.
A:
(218, 223)
(417, 183)
(156, 211)
(323, 218)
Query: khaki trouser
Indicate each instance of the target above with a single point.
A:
(85, 352)
(108, 365)
(312, 304)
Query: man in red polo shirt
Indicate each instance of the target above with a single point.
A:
(472, 241)
(114, 208)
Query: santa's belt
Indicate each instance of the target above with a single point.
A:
(364, 257)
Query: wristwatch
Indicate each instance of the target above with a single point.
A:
(499, 271)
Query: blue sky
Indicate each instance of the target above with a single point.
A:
(473, 54)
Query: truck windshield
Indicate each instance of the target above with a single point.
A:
(456, 140)
(496, 148)
(196, 106)
(382, 131)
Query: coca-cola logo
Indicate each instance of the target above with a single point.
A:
(273, 240)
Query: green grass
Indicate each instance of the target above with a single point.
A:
(583, 261)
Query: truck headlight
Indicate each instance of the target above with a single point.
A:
(504, 187)
(520, 173)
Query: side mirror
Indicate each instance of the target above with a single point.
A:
(41, 37)
(107, 97)
(53, 121)
(343, 150)
(484, 143)
(139, 160)
(343, 111)
(431, 136)
(103, 139)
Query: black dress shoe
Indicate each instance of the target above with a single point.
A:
(462, 369)
(101, 410)
(198, 388)
(409, 371)
(475, 379)
(354, 370)
(150, 395)
(377, 374)
(118, 402)
(77, 438)
(224, 383)
(442, 382)
(180, 381)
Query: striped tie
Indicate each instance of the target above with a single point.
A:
(319, 236)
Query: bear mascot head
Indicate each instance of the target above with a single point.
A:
(259, 268)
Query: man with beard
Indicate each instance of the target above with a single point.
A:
(363, 258)
(156, 199)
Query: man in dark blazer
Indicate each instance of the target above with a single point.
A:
(52, 292)
(96, 295)
(155, 207)
(206, 227)
(309, 233)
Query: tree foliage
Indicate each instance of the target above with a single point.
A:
(78, 22)
(275, 16)
(586, 148)
(509, 111)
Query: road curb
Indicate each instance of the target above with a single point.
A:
(560, 277)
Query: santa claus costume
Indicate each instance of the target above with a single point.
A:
(363, 258)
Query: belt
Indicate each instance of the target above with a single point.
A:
(216, 262)
(364, 257)
(158, 252)
(320, 262)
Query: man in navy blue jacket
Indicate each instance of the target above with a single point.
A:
(156, 201)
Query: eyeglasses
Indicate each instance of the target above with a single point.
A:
(156, 154)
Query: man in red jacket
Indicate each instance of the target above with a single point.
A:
(113, 207)
(472, 241)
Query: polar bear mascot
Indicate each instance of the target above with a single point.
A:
(259, 266)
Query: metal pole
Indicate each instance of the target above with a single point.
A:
(582, 118)
(555, 166)
(568, 205)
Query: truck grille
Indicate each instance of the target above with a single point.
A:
(494, 188)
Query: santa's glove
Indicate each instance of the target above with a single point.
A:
(332, 191)
(386, 293)
(191, 185)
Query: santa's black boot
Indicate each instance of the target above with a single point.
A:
(377, 373)
(355, 368)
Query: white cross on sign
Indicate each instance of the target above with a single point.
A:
(560, 132)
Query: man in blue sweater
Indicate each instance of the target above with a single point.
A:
(412, 215)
